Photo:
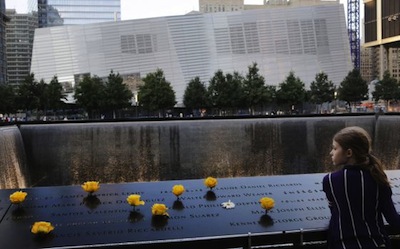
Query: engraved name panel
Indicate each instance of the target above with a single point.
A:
(106, 217)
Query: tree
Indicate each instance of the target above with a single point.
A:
(7, 99)
(90, 94)
(54, 94)
(270, 96)
(195, 95)
(41, 89)
(156, 94)
(225, 92)
(235, 89)
(215, 90)
(117, 94)
(321, 89)
(353, 88)
(291, 92)
(254, 90)
(39, 96)
(28, 97)
(386, 89)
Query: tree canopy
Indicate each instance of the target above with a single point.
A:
(195, 95)
(98, 97)
(7, 99)
(321, 89)
(28, 93)
(254, 89)
(156, 94)
(54, 94)
(117, 95)
(353, 88)
(386, 89)
(225, 91)
(291, 92)
(89, 93)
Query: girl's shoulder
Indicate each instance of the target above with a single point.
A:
(333, 174)
(349, 170)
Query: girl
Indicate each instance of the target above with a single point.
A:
(358, 194)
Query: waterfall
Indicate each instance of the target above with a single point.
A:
(113, 152)
(12, 158)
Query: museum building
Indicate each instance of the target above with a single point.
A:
(306, 40)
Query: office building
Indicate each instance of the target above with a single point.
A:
(3, 58)
(382, 30)
(306, 40)
(19, 39)
(207, 6)
(394, 63)
(367, 64)
(71, 12)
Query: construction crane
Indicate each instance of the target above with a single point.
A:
(353, 28)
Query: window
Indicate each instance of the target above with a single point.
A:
(139, 44)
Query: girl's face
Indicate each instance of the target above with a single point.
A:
(339, 156)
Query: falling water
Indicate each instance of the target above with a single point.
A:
(387, 141)
(70, 153)
(12, 158)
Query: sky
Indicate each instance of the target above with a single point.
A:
(136, 9)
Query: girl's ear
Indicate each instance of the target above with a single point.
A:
(349, 153)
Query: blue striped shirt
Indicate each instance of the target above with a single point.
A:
(357, 204)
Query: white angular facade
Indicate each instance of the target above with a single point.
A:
(306, 40)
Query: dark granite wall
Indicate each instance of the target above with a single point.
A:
(70, 153)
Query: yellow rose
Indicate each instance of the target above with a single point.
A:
(134, 200)
(159, 209)
(91, 186)
(210, 182)
(42, 227)
(178, 190)
(267, 203)
(18, 197)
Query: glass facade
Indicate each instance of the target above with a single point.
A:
(206, 6)
(382, 32)
(71, 12)
(370, 21)
(390, 18)
(3, 59)
(19, 38)
(306, 40)
(382, 22)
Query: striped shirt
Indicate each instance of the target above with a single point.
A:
(357, 204)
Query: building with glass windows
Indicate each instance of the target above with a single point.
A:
(382, 32)
(19, 38)
(305, 40)
(71, 12)
(3, 58)
(206, 6)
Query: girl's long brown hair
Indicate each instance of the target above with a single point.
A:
(359, 141)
